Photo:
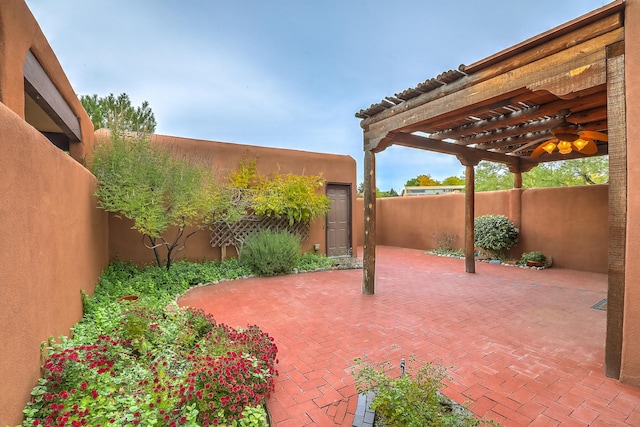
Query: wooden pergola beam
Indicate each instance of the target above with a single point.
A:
(549, 109)
(575, 69)
(489, 139)
(460, 151)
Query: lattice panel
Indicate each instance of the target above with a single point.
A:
(234, 234)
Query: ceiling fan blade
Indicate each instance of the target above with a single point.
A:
(594, 135)
(590, 148)
(540, 148)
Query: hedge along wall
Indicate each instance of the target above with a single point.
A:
(126, 244)
(568, 223)
(54, 243)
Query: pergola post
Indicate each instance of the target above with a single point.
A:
(517, 179)
(469, 214)
(369, 245)
(616, 114)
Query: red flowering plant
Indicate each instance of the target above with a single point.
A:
(222, 386)
(157, 367)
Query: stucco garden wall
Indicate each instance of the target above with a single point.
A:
(54, 243)
(568, 223)
(54, 239)
(126, 244)
(19, 33)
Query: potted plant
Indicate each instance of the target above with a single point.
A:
(533, 259)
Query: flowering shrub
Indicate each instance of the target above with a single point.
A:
(157, 367)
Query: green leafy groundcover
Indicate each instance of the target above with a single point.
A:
(150, 362)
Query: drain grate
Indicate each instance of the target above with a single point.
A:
(600, 305)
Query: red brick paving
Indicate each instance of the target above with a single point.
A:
(525, 347)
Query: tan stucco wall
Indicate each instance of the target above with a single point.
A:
(54, 243)
(19, 33)
(630, 372)
(54, 239)
(568, 223)
(125, 244)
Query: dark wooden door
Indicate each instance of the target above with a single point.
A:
(339, 220)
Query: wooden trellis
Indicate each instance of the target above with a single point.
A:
(225, 234)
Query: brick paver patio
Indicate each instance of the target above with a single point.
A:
(524, 347)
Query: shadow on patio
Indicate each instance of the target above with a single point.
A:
(524, 346)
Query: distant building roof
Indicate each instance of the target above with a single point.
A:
(431, 189)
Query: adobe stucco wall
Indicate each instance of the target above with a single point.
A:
(125, 244)
(54, 239)
(630, 372)
(19, 33)
(569, 223)
(54, 243)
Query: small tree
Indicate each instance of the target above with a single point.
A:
(453, 180)
(139, 181)
(422, 181)
(491, 176)
(118, 114)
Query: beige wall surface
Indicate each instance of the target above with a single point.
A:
(54, 243)
(224, 157)
(569, 223)
(630, 372)
(54, 239)
(19, 33)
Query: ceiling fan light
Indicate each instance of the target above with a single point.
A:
(549, 147)
(564, 147)
(580, 143)
(564, 136)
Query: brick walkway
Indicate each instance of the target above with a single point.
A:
(525, 347)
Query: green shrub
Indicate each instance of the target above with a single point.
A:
(495, 234)
(458, 253)
(411, 400)
(269, 253)
(312, 261)
(532, 256)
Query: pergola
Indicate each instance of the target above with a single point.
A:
(500, 109)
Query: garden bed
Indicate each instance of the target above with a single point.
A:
(508, 263)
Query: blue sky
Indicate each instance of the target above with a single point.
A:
(285, 73)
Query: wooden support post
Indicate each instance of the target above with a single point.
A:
(369, 245)
(616, 121)
(515, 197)
(469, 213)
(517, 179)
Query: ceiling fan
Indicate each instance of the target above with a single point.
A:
(568, 137)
